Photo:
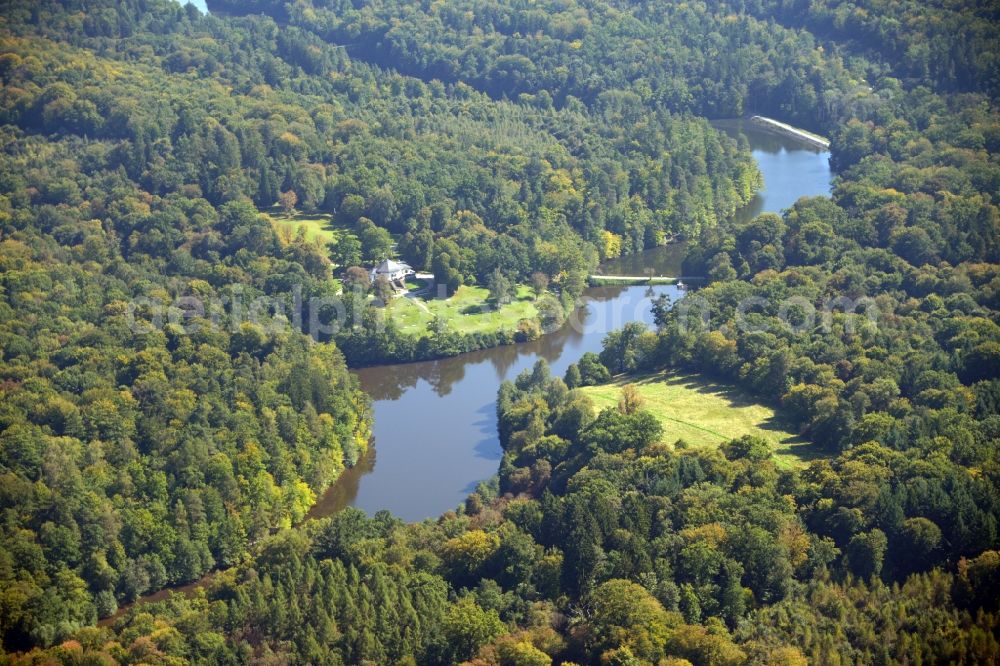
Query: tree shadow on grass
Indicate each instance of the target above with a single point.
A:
(777, 424)
(795, 446)
(732, 394)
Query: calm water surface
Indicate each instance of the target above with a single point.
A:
(435, 434)
(791, 169)
(435, 422)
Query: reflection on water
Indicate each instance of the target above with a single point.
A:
(345, 490)
(791, 168)
(391, 382)
(435, 422)
(660, 261)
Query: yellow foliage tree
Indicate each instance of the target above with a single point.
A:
(611, 245)
(465, 554)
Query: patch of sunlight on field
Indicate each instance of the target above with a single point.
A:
(705, 413)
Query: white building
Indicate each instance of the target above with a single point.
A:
(395, 271)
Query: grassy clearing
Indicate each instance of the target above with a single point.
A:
(706, 414)
(467, 311)
(318, 227)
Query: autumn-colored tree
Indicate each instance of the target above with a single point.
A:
(357, 279)
(383, 289)
(623, 614)
(631, 400)
(287, 200)
(539, 283)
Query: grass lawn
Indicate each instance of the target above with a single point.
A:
(466, 311)
(318, 226)
(705, 413)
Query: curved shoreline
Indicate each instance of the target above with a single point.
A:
(343, 490)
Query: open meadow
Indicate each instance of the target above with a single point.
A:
(704, 413)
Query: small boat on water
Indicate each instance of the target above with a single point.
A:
(681, 285)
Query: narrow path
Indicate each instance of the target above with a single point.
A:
(631, 278)
(598, 280)
(416, 295)
(698, 427)
(785, 128)
(413, 296)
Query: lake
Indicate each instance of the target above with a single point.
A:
(435, 434)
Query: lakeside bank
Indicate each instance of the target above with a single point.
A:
(435, 431)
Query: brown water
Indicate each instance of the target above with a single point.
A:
(435, 432)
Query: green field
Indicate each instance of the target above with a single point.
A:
(705, 413)
(467, 311)
(318, 226)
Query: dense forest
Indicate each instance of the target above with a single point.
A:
(142, 444)
(949, 46)
(139, 141)
(679, 56)
(598, 545)
(461, 184)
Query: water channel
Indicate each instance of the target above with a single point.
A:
(435, 432)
